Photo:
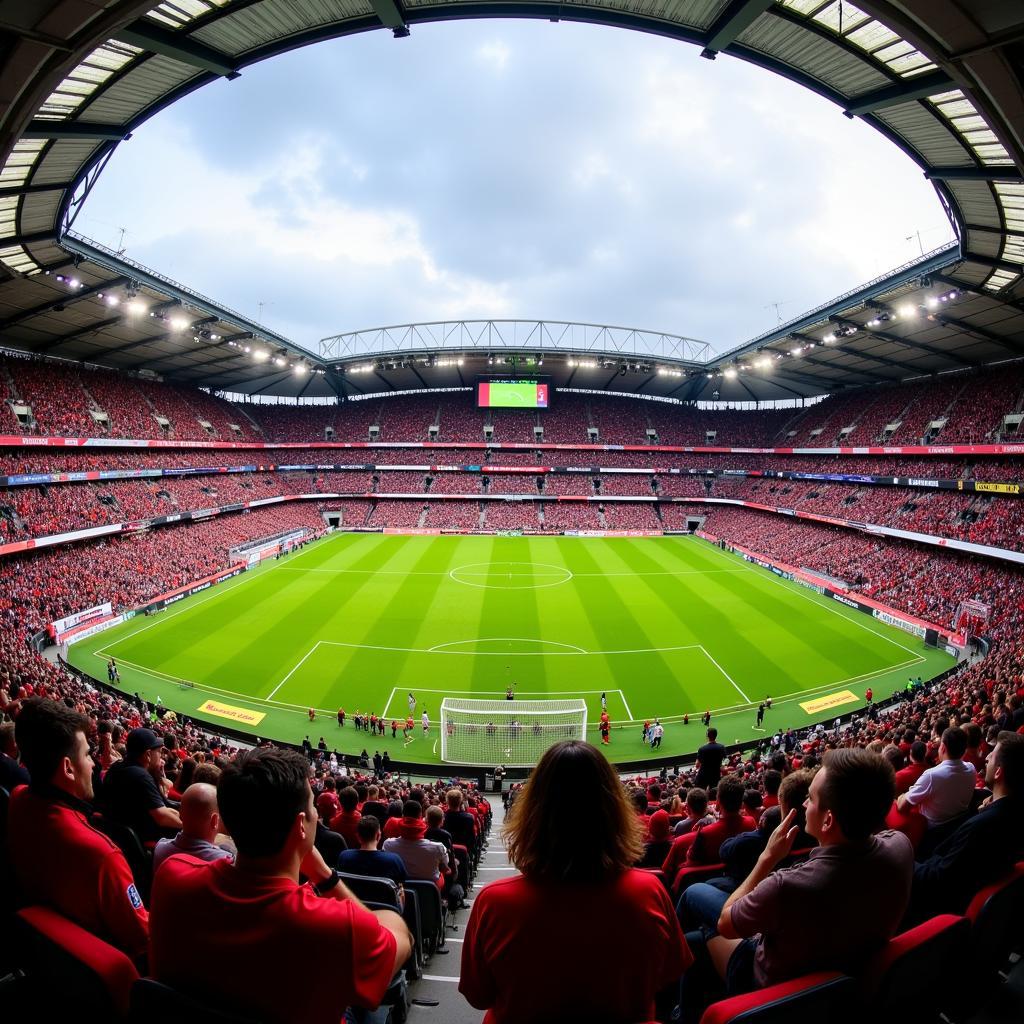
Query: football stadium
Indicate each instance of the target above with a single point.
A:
(406, 673)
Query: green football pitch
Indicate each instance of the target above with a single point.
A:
(664, 626)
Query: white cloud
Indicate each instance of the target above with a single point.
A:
(611, 177)
(494, 53)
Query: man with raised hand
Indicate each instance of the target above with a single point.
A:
(261, 927)
(770, 928)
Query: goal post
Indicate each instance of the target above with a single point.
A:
(510, 732)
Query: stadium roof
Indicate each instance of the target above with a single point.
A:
(941, 80)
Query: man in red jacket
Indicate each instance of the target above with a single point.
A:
(58, 857)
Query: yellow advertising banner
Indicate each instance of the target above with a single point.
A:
(241, 715)
(981, 485)
(834, 700)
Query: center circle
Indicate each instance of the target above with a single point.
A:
(510, 575)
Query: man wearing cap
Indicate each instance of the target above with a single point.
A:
(130, 794)
(59, 859)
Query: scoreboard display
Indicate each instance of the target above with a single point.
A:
(505, 393)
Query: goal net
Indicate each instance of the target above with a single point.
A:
(510, 732)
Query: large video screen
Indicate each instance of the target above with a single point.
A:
(504, 393)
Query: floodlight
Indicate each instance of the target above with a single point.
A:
(178, 323)
(137, 307)
(261, 355)
(731, 373)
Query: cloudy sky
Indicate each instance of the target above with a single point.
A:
(513, 169)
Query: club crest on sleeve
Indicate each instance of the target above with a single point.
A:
(134, 898)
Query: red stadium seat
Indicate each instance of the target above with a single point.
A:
(152, 1002)
(824, 996)
(693, 873)
(908, 978)
(75, 967)
(995, 915)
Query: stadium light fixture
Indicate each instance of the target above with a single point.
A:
(111, 300)
(137, 307)
(301, 368)
(731, 373)
(829, 338)
(178, 323)
(278, 361)
(764, 363)
(261, 355)
(906, 311)
(931, 302)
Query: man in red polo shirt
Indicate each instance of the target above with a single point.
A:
(702, 845)
(247, 935)
(58, 857)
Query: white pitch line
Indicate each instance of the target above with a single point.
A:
(625, 704)
(800, 591)
(270, 696)
(439, 977)
(724, 673)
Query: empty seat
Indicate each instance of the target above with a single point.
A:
(826, 995)
(908, 979)
(79, 973)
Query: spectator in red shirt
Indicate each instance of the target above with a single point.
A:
(327, 804)
(58, 857)
(346, 820)
(701, 846)
(906, 777)
(515, 958)
(260, 927)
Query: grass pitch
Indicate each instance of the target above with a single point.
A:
(665, 626)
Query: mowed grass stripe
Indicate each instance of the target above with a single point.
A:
(837, 647)
(613, 617)
(734, 631)
(402, 622)
(658, 597)
(245, 637)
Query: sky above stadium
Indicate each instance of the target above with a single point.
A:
(513, 170)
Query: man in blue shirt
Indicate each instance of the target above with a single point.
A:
(370, 861)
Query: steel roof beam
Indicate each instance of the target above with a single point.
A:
(128, 346)
(896, 340)
(23, 240)
(977, 290)
(982, 332)
(178, 46)
(917, 88)
(1008, 172)
(992, 263)
(735, 18)
(63, 300)
(392, 15)
(58, 341)
(43, 129)
(25, 190)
